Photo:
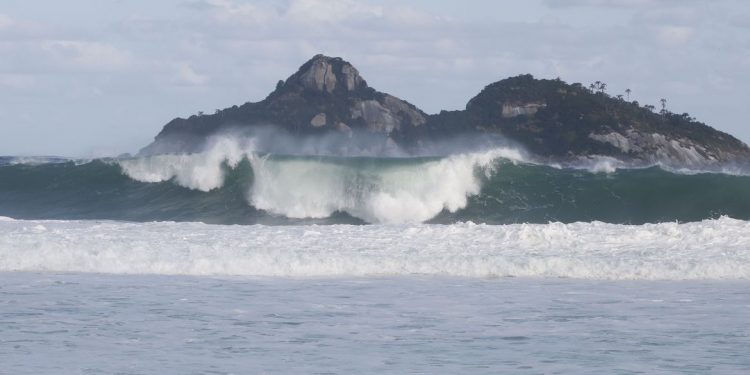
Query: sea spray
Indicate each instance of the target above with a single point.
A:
(396, 191)
(202, 171)
(400, 190)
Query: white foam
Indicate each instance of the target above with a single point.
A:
(598, 164)
(201, 171)
(39, 160)
(608, 164)
(712, 249)
(316, 188)
(395, 194)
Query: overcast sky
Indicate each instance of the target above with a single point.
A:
(101, 77)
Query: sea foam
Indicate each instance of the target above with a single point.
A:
(711, 249)
(401, 190)
(395, 193)
(201, 171)
(314, 187)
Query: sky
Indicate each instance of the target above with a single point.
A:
(91, 78)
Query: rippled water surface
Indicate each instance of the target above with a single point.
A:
(78, 323)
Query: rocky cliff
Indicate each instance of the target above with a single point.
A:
(551, 118)
(325, 95)
(566, 121)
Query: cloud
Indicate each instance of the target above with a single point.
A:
(304, 10)
(741, 20)
(675, 35)
(174, 60)
(331, 10)
(228, 10)
(17, 81)
(304, 16)
(187, 75)
(5, 22)
(88, 55)
(613, 3)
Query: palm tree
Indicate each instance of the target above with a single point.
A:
(627, 91)
(663, 105)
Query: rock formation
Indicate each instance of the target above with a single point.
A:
(326, 95)
(551, 118)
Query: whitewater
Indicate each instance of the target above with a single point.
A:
(712, 249)
(393, 191)
(89, 296)
(237, 260)
(232, 182)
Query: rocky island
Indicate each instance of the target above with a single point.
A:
(550, 118)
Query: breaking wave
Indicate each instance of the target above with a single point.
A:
(230, 182)
(376, 190)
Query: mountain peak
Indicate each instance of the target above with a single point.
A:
(325, 74)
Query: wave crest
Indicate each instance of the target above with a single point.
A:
(201, 171)
(393, 191)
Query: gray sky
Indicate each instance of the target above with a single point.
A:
(101, 77)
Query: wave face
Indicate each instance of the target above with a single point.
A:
(231, 184)
(712, 249)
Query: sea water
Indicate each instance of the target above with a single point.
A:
(481, 262)
(104, 297)
(80, 323)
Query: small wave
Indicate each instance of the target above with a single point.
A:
(37, 160)
(711, 249)
(609, 165)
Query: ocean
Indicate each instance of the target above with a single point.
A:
(235, 262)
